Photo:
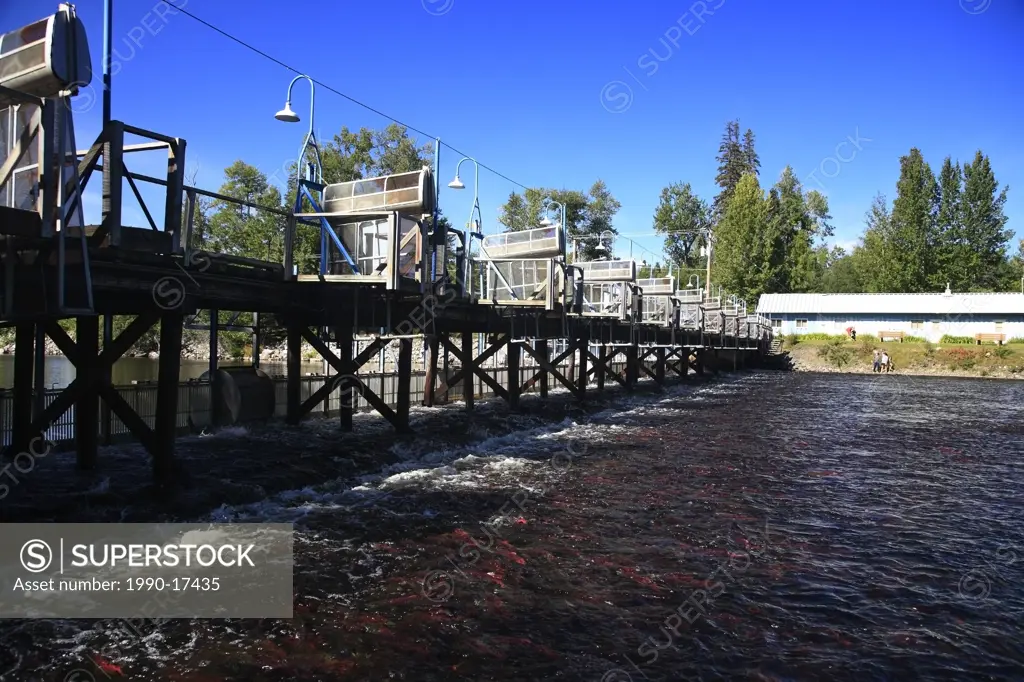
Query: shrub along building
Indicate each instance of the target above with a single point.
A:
(979, 317)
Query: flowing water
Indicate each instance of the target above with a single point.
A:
(765, 526)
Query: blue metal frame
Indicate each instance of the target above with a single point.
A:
(325, 227)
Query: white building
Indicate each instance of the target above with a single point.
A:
(926, 315)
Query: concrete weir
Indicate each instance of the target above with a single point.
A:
(383, 270)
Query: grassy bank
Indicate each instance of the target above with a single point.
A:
(955, 357)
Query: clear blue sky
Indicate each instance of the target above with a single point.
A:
(526, 88)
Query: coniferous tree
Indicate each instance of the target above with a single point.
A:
(871, 255)
(731, 166)
(913, 224)
(984, 225)
(513, 213)
(947, 262)
(750, 158)
(742, 257)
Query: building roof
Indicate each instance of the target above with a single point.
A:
(893, 304)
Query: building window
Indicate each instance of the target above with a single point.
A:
(999, 326)
(916, 325)
(776, 324)
(801, 324)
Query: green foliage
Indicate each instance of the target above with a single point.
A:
(681, 215)
(792, 339)
(950, 339)
(930, 348)
(946, 231)
(736, 158)
(744, 249)
(1003, 352)
(587, 215)
(842, 274)
(1016, 339)
(984, 223)
(836, 353)
(911, 225)
(914, 339)
(958, 358)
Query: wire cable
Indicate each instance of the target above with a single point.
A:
(297, 72)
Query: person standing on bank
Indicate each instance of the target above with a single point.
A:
(886, 365)
(876, 361)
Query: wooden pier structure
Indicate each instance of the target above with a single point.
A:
(382, 269)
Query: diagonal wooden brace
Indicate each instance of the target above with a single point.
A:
(63, 402)
(605, 365)
(347, 372)
(475, 366)
(549, 366)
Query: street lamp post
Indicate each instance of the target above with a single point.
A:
(708, 251)
(561, 218)
(289, 116)
(458, 184)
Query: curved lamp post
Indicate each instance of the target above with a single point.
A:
(458, 184)
(561, 217)
(600, 244)
(707, 251)
(289, 116)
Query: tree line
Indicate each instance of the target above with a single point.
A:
(938, 231)
(589, 215)
(949, 229)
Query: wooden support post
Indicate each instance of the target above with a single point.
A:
(168, 376)
(256, 351)
(714, 361)
(430, 375)
(659, 368)
(684, 362)
(106, 416)
(632, 366)
(24, 340)
(404, 383)
(698, 356)
(468, 382)
(294, 372)
(542, 352)
(513, 353)
(349, 388)
(215, 416)
(584, 343)
(87, 406)
(39, 372)
(735, 359)
(571, 373)
(602, 361)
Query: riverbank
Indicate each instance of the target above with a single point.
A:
(925, 359)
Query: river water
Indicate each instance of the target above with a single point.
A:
(763, 526)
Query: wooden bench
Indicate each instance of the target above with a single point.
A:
(995, 338)
(882, 336)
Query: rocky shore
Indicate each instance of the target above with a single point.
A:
(916, 360)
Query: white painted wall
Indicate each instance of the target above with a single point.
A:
(932, 329)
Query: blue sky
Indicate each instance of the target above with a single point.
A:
(560, 94)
